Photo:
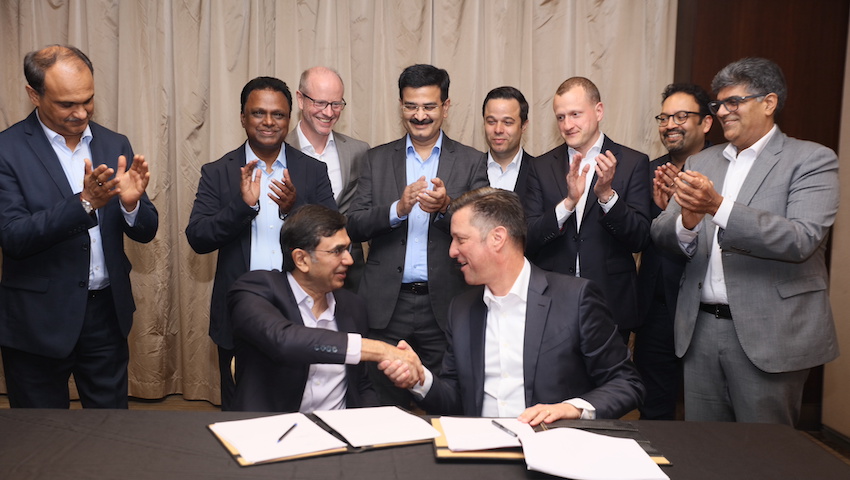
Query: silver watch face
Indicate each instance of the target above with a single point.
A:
(86, 206)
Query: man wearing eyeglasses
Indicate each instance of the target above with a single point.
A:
(243, 199)
(298, 335)
(753, 217)
(320, 100)
(587, 203)
(682, 124)
(404, 191)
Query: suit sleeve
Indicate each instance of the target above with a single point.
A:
(444, 398)
(542, 222)
(366, 218)
(793, 234)
(619, 388)
(255, 302)
(217, 217)
(628, 220)
(144, 228)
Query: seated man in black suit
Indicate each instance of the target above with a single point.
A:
(529, 343)
(292, 349)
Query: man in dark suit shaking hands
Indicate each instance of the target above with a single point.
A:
(67, 305)
(525, 342)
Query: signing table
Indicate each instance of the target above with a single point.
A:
(109, 444)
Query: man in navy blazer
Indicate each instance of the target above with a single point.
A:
(67, 304)
(588, 203)
(527, 343)
(243, 199)
(505, 112)
(299, 335)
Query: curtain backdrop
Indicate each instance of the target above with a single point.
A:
(168, 74)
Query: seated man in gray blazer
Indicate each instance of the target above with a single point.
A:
(529, 343)
(298, 334)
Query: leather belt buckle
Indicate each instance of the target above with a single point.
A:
(717, 309)
(416, 288)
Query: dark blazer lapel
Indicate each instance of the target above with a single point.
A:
(344, 155)
(447, 163)
(560, 167)
(763, 164)
(234, 179)
(536, 315)
(44, 151)
(399, 166)
(477, 331)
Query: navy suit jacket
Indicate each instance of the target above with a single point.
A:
(571, 349)
(522, 176)
(274, 350)
(221, 221)
(606, 242)
(45, 241)
(382, 182)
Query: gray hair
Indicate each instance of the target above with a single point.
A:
(758, 75)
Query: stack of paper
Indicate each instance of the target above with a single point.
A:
(377, 426)
(468, 434)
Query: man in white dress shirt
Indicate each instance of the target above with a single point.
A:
(505, 113)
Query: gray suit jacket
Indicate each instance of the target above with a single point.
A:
(773, 254)
(381, 183)
(351, 155)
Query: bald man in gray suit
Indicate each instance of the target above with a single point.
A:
(753, 216)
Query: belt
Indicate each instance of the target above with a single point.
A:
(416, 288)
(716, 309)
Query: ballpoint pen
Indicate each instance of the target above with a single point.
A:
(287, 432)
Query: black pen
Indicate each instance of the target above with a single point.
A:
(287, 432)
(503, 428)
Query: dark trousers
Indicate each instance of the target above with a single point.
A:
(228, 386)
(413, 320)
(98, 363)
(656, 360)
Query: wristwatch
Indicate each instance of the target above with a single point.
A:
(86, 205)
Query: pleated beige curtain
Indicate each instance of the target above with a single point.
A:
(168, 75)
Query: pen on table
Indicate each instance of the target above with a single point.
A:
(287, 432)
(503, 428)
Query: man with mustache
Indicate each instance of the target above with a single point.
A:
(70, 191)
(682, 124)
(320, 100)
(400, 207)
(752, 218)
(243, 199)
(298, 335)
(587, 203)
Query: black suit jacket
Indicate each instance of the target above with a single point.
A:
(221, 221)
(274, 350)
(382, 182)
(605, 242)
(571, 349)
(45, 241)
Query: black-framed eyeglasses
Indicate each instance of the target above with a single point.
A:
(338, 251)
(679, 118)
(731, 103)
(323, 104)
(427, 108)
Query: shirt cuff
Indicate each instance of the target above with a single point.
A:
(395, 220)
(687, 238)
(562, 214)
(588, 412)
(352, 352)
(422, 390)
(130, 217)
(721, 216)
(611, 201)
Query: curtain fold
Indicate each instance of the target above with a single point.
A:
(168, 74)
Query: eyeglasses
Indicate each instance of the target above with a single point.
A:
(679, 117)
(338, 251)
(323, 104)
(427, 108)
(731, 103)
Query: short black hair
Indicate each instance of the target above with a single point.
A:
(699, 94)
(305, 227)
(508, 93)
(37, 62)
(264, 83)
(420, 75)
(758, 75)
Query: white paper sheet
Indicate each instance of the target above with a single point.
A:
(256, 439)
(465, 434)
(580, 455)
(377, 425)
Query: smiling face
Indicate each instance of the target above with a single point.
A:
(503, 128)
(578, 118)
(266, 121)
(422, 125)
(751, 121)
(325, 86)
(689, 137)
(470, 249)
(68, 101)
(326, 270)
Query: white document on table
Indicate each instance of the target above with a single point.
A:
(363, 427)
(580, 455)
(258, 439)
(467, 434)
